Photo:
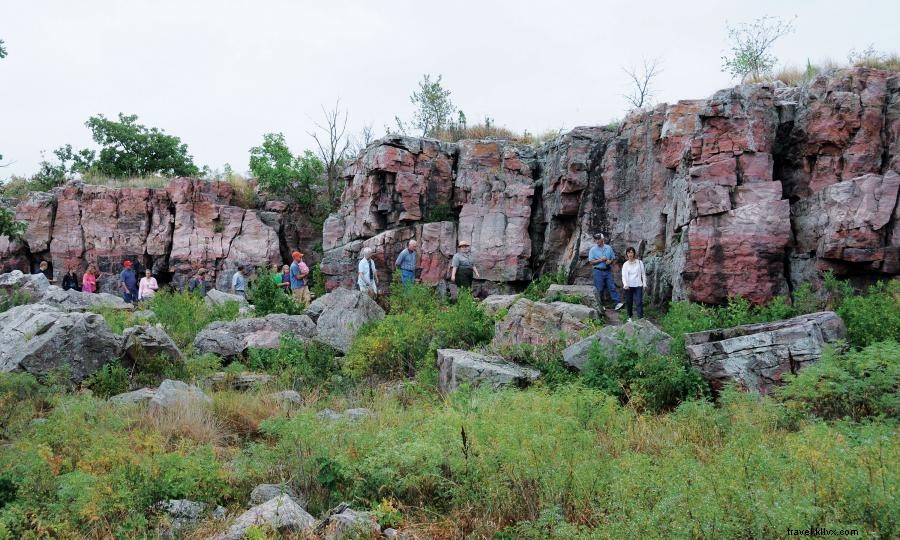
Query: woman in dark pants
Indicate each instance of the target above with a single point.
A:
(634, 281)
(462, 268)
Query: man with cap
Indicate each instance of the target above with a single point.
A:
(462, 269)
(128, 283)
(298, 274)
(601, 257)
(406, 263)
(197, 284)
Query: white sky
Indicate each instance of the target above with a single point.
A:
(221, 73)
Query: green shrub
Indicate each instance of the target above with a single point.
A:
(267, 297)
(110, 380)
(416, 326)
(546, 358)
(202, 366)
(117, 319)
(317, 287)
(183, 314)
(12, 298)
(568, 298)
(299, 365)
(643, 377)
(19, 393)
(855, 385)
(538, 287)
(872, 317)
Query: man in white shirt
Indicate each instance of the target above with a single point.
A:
(366, 275)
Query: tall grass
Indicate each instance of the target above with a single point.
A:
(183, 314)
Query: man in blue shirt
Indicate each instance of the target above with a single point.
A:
(601, 257)
(128, 283)
(406, 262)
(298, 272)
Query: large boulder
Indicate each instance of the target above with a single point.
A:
(756, 356)
(267, 492)
(642, 333)
(339, 315)
(231, 339)
(215, 297)
(539, 323)
(496, 302)
(344, 522)
(37, 338)
(73, 300)
(32, 285)
(173, 394)
(457, 367)
(141, 343)
(281, 513)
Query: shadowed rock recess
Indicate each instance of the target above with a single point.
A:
(749, 192)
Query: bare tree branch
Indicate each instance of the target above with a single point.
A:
(333, 143)
(642, 81)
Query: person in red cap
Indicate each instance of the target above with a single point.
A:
(128, 283)
(299, 275)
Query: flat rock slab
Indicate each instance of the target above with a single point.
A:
(539, 323)
(33, 285)
(73, 300)
(756, 356)
(38, 339)
(169, 394)
(231, 339)
(281, 513)
(339, 315)
(495, 302)
(585, 293)
(215, 297)
(458, 367)
(239, 381)
(642, 333)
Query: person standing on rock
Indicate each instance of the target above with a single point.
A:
(367, 278)
(406, 262)
(601, 257)
(462, 269)
(197, 284)
(238, 282)
(634, 281)
(148, 286)
(298, 274)
(128, 284)
(89, 279)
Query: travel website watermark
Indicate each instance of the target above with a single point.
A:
(822, 531)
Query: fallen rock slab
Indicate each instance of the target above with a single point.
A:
(642, 333)
(756, 356)
(38, 339)
(281, 513)
(232, 339)
(142, 395)
(539, 323)
(457, 367)
(73, 300)
(215, 297)
(584, 293)
(339, 315)
(495, 302)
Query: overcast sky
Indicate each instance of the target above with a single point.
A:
(220, 74)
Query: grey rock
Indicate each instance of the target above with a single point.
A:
(143, 342)
(231, 339)
(339, 315)
(73, 300)
(239, 381)
(756, 356)
(539, 323)
(218, 513)
(328, 414)
(215, 297)
(457, 367)
(266, 492)
(143, 395)
(390, 533)
(37, 338)
(280, 513)
(182, 508)
(178, 394)
(343, 521)
(287, 396)
(585, 293)
(34, 285)
(355, 415)
(643, 332)
(495, 302)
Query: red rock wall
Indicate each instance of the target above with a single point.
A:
(749, 192)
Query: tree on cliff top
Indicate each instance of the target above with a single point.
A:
(333, 144)
(434, 109)
(9, 227)
(280, 172)
(751, 47)
(131, 149)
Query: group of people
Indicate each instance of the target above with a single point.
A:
(634, 277)
(293, 279)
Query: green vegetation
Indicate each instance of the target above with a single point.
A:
(13, 297)
(268, 297)
(751, 45)
(183, 314)
(280, 172)
(874, 317)
(9, 226)
(538, 287)
(300, 366)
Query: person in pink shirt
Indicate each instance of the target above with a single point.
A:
(147, 287)
(89, 280)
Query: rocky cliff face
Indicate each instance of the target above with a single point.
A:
(189, 224)
(749, 192)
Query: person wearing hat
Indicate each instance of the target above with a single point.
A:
(601, 257)
(298, 274)
(197, 284)
(128, 283)
(461, 266)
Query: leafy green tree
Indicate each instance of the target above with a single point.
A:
(751, 47)
(434, 109)
(131, 149)
(9, 227)
(279, 171)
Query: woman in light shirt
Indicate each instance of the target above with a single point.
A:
(148, 286)
(634, 281)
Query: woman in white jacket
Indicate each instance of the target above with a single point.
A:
(634, 281)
